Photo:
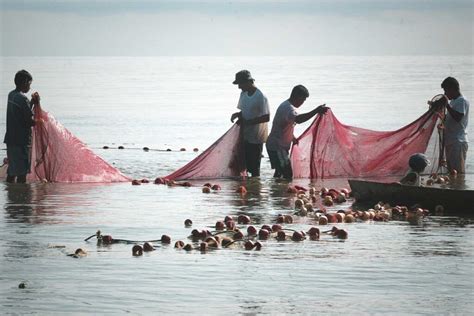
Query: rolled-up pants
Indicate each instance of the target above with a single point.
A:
(456, 156)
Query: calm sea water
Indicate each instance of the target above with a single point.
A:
(186, 102)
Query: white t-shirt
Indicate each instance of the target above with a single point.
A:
(252, 107)
(283, 127)
(457, 131)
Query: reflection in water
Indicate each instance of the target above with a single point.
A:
(23, 202)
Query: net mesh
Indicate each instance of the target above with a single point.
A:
(223, 159)
(58, 156)
(329, 149)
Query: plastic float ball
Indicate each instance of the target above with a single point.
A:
(182, 149)
(340, 217)
(453, 173)
(309, 207)
(298, 203)
(297, 236)
(323, 220)
(137, 250)
(258, 246)
(168, 149)
(238, 235)
(241, 190)
(22, 285)
(228, 218)
(300, 188)
(263, 234)
(105, 147)
(226, 241)
(249, 245)
(312, 191)
(195, 234)
(106, 239)
(429, 182)
(281, 235)
(230, 225)
(145, 181)
(206, 190)
(251, 231)
(148, 246)
(276, 228)
(188, 247)
(345, 191)
(146, 149)
(179, 244)
(80, 252)
(267, 227)
(331, 218)
(341, 198)
(288, 219)
(349, 218)
(365, 216)
(212, 242)
(216, 187)
(160, 181)
(341, 234)
(207, 184)
(220, 225)
(303, 212)
(188, 222)
(195, 150)
(136, 182)
(440, 180)
(280, 219)
(314, 231)
(165, 239)
(204, 247)
(328, 200)
(120, 147)
(323, 192)
(243, 219)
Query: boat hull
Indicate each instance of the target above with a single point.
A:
(453, 201)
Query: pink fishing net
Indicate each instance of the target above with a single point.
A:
(329, 149)
(222, 159)
(59, 156)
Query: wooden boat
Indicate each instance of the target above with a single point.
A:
(454, 201)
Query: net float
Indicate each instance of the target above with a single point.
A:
(137, 250)
(188, 222)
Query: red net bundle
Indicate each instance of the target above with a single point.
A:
(329, 149)
(59, 156)
(223, 159)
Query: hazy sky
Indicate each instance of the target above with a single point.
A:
(242, 27)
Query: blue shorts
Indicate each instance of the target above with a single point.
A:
(19, 160)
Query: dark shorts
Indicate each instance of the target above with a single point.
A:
(280, 161)
(253, 157)
(19, 160)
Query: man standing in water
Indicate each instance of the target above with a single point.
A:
(253, 117)
(281, 136)
(19, 123)
(455, 133)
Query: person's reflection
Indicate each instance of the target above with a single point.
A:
(279, 196)
(22, 201)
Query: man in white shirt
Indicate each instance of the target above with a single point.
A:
(455, 132)
(280, 138)
(253, 118)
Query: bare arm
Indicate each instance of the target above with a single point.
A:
(301, 118)
(236, 115)
(257, 120)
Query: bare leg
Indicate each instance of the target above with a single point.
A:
(21, 179)
(11, 179)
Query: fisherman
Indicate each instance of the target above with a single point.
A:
(253, 118)
(417, 162)
(455, 130)
(18, 129)
(281, 136)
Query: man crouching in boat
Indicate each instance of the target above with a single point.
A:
(417, 163)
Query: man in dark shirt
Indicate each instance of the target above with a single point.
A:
(19, 123)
